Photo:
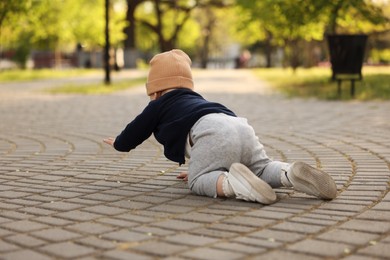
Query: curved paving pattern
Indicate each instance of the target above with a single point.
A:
(64, 194)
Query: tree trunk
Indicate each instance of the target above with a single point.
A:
(268, 49)
(333, 18)
(130, 52)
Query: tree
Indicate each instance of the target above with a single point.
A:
(282, 23)
(170, 17)
(352, 15)
(60, 25)
(11, 7)
(130, 32)
(288, 23)
(166, 19)
(207, 19)
(9, 12)
(215, 21)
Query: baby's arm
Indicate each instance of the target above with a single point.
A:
(109, 140)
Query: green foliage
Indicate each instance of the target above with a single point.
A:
(61, 24)
(288, 23)
(285, 20)
(22, 51)
(166, 20)
(380, 56)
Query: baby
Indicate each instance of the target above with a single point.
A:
(225, 157)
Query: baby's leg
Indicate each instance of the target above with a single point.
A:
(299, 175)
(207, 164)
(255, 157)
(214, 150)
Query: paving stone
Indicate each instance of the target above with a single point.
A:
(320, 248)
(65, 194)
(13, 194)
(24, 226)
(222, 234)
(200, 217)
(118, 222)
(172, 208)
(279, 236)
(67, 250)
(353, 237)
(60, 206)
(25, 240)
(298, 227)
(127, 204)
(78, 215)
(248, 221)
(287, 255)
(38, 211)
(55, 234)
(8, 206)
(153, 231)
(97, 242)
(210, 253)
(15, 215)
(6, 247)
(160, 248)
(190, 240)
(177, 225)
(232, 227)
(105, 210)
(90, 228)
(126, 236)
(54, 221)
(119, 254)
(367, 226)
(240, 248)
(25, 254)
(380, 250)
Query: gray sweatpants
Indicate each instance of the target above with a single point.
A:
(219, 141)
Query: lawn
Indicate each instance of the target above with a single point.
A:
(28, 74)
(315, 82)
(98, 88)
(93, 88)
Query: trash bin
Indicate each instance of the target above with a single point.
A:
(346, 56)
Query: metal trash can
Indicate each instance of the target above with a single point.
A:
(346, 56)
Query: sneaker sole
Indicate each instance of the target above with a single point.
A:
(312, 181)
(259, 189)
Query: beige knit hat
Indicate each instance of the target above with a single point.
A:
(171, 69)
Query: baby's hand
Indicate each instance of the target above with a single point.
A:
(109, 141)
(183, 176)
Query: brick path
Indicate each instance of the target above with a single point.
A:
(66, 195)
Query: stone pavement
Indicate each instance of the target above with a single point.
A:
(66, 195)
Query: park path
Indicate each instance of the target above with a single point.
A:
(66, 195)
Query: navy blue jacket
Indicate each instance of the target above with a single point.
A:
(170, 119)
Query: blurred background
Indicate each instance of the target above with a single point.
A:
(62, 34)
(301, 47)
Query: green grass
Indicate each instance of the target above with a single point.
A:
(28, 74)
(315, 82)
(99, 88)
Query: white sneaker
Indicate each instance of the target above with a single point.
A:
(311, 180)
(247, 186)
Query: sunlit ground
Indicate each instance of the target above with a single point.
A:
(26, 75)
(316, 82)
(307, 83)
